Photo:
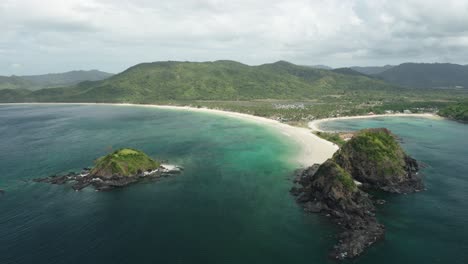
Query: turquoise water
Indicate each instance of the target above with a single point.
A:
(230, 206)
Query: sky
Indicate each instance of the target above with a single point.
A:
(43, 36)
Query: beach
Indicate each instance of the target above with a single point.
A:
(315, 125)
(313, 149)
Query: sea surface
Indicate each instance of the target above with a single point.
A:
(231, 205)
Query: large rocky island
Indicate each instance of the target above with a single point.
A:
(371, 159)
(117, 169)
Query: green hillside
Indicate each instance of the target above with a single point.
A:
(457, 111)
(220, 80)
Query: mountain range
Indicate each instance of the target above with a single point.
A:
(427, 75)
(36, 82)
(421, 75)
(229, 80)
(219, 80)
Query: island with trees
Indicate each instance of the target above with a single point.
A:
(117, 169)
(371, 160)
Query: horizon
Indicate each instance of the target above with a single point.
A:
(58, 36)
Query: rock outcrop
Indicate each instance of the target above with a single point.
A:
(372, 157)
(332, 191)
(375, 158)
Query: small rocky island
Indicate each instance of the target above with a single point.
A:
(371, 160)
(117, 169)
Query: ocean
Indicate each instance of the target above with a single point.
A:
(232, 203)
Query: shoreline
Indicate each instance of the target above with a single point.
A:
(315, 124)
(313, 149)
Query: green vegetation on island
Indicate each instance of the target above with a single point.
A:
(374, 157)
(124, 162)
(341, 178)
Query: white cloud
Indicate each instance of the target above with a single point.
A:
(57, 35)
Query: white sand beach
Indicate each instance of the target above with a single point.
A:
(315, 125)
(313, 149)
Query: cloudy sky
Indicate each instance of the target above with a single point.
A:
(41, 36)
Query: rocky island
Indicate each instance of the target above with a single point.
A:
(117, 169)
(371, 160)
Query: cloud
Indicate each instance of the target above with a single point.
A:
(57, 35)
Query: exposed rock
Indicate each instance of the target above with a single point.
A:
(371, 159)
(104, 183)
(313, 207)
(331, 190)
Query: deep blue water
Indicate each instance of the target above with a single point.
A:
(230, 206)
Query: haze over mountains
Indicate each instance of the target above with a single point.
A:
(421, 75)
(414, 75)
(427, 75)
(228, 80)
(36, 82)
(370, 70)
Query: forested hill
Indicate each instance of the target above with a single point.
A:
(456, 111)
(219, 80)
(36, 82)
(427, 75)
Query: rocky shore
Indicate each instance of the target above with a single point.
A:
(372, 159)
(104, 183)
(347, 206)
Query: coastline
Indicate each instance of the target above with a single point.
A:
(313, 149)
(315, 125)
